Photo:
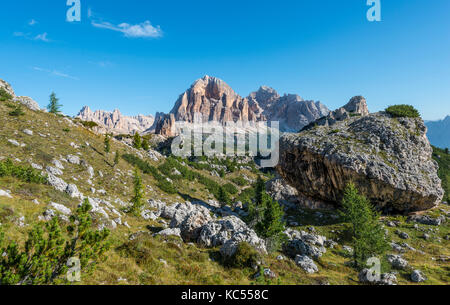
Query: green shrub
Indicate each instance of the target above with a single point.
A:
(223, 196)
(4, 96)
(245, 257)
(230, 188)
(89, 124)
(23, 173)
(146, 168)
(18, 111)
(137, 141)
(400, 111)
(240, 181)
(44, 257)
(66, 130)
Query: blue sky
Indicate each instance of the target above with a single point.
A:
(138, 56)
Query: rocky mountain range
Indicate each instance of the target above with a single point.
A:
(439, 132)
(115, 122)
(217, 101)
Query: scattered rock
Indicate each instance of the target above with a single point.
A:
(398, 262)
(170, 232)
(28, 132)
(60, 208)
(417, 276)
(427, 220)
(5, 194)
(306, 263)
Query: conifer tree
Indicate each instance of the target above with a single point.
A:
(145, 145)
(54, 106)
(138, 196)
(116, 158)
(137, 142)
(107, 142)
(223, 196)
(367, 233)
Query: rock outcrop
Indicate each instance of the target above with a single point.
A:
(24, 100)
(389, 160)
(356, 107)
(293, 112)
(115, 122)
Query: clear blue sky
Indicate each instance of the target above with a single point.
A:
(320, 49)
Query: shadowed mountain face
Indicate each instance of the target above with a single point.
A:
(217, 101)
(439, 132)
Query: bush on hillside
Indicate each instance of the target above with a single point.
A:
(23, 173)
(4, 96)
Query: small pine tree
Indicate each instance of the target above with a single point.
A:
(116, 158)
(54, 106)
(223, 196)
(367, 233)
(17, 112)
(266, 217)
(446, 150)
(107, 144)
(260, 189)
(145, 145)
(138, 197)
(44, 257)
(137, 141)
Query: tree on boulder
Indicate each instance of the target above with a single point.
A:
(368, 236)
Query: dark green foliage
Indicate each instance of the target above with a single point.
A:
(146, 168)
(4, 96)
(116, 158)
(23, 173)
(138, 194)
(67, 130)
(107, 143)
(145, 145)
(400, 111)
(230, 188)
(223, 196)
(240, 181)
(18, 111)
(54, 106)
(266, 217)
(368, 236)
(446, 151)
(260, 189)
(44, 257)
(89, 124)
(245, 257)
(137, 141)
(443, 159)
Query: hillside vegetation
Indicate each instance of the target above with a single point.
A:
(34, 141)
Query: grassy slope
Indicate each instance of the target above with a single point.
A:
(139, 262)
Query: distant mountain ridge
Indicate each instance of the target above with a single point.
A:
(217, 101)
(115, 122)
(439, 132)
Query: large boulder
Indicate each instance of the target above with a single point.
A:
(388, 159)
